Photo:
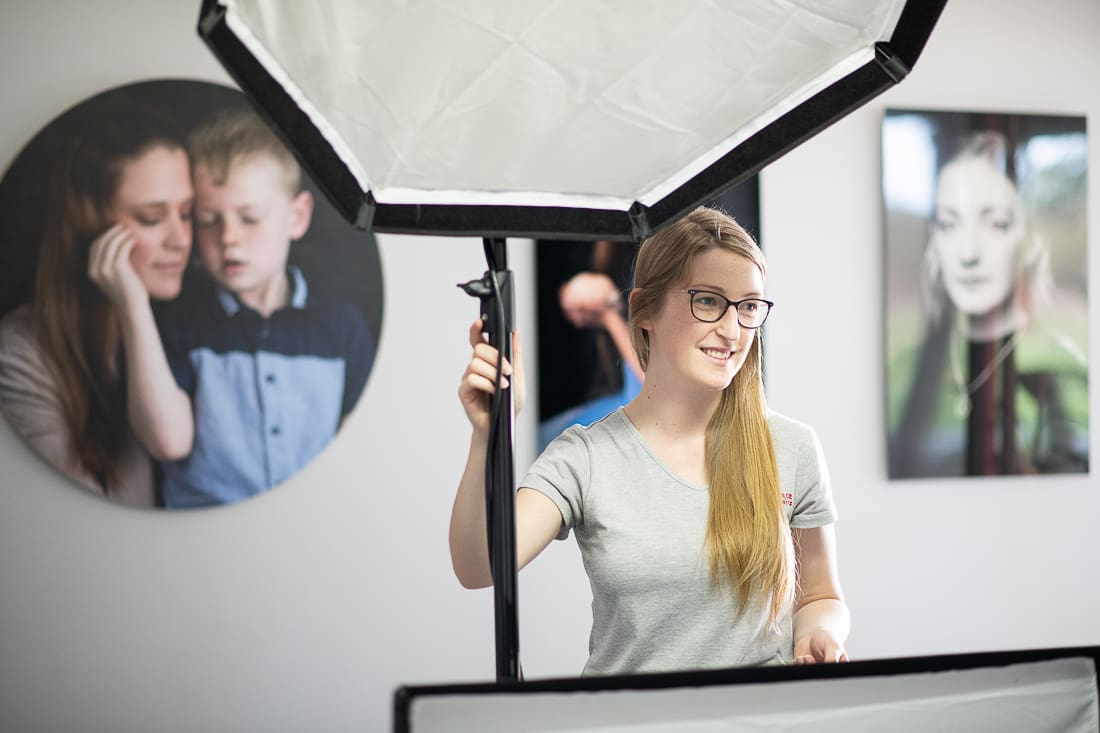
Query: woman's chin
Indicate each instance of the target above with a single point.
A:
(164, 291)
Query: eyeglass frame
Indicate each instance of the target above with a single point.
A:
(735, 304)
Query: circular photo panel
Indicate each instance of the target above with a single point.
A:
(185, 321)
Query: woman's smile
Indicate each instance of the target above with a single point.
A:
(722, 355)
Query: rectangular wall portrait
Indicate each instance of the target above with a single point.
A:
(587, 366)
(986, 312)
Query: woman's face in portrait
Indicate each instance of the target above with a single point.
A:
(977, 231)
(154, 201)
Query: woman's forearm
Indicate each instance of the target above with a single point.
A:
(159, 411)
(468, 539)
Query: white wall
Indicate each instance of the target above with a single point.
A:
(305, 608)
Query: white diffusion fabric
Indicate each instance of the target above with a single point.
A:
(1054, 696)
(592, 103)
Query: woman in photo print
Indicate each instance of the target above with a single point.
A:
(115, 233)
(1000, 382)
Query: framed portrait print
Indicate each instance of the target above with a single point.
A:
(986, 317)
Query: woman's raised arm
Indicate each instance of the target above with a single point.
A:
(537, 518)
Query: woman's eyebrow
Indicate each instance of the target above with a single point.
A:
(722, 291)
(147, 205)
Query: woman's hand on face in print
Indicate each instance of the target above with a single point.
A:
(110, 269)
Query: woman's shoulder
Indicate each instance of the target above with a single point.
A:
(17, 322)
(608, 429)
(25, 368)
(17, 338)
(785, 428)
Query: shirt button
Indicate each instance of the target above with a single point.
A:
(275, 430)
(270, 378)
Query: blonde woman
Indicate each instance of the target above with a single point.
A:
(705, 521)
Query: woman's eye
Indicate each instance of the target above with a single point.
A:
(707, 301)
(147, 221)
(750, 306)
(250, 220)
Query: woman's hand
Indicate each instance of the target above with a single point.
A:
(110, 269)
(819, 647)
(586, 298)
(479, 380)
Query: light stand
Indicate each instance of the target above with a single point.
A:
(495, 291)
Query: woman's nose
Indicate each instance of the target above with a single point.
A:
(970, 250)
(728, 325)
(179, 232)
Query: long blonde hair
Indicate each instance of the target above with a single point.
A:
(748, 537)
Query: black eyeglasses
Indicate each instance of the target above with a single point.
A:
(710, 307)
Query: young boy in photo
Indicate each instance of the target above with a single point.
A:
(270, 367)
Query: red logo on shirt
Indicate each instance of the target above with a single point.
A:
(788, 499)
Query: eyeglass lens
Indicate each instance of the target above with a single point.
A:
(710, 307)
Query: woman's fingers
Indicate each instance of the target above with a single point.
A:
(110, 269)
(484, 364)
(819, 648)
(103, 250)
(476, 336)
(479, 379)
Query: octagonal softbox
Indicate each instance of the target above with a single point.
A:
(560, 119)
(584, 119)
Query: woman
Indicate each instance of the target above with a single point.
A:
(116, 232)
(997, 390)
(704, 520)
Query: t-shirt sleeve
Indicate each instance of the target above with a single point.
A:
(562, 473)
(813, 499)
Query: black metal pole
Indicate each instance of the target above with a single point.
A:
(495, 290)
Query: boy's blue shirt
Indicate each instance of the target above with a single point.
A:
(268, 394)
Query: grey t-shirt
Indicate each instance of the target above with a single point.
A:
(641, 533)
